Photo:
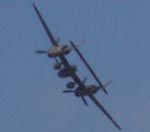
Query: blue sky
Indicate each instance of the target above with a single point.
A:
(117, 47)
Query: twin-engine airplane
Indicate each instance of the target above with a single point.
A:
(58, 53)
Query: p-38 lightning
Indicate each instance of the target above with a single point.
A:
(58, 53)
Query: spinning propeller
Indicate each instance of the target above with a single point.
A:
(41, 52)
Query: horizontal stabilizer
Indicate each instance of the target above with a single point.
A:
(89, 67)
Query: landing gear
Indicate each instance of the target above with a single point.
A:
(70, 85)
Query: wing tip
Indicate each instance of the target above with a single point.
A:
(119, 128)
(34, 5)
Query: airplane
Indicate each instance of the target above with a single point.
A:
(70, 70)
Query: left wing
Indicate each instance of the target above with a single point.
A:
(52, 39)
(104, 111)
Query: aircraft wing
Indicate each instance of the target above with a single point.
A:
(104, 111)
(89, 67)
(52, 39)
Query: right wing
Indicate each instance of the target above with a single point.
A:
(104, 111)
(52, 39)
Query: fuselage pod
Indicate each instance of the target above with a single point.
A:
(67, 71)
(89, 90)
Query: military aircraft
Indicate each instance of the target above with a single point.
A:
(69, 70)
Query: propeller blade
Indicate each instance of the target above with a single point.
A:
(77, 45)
(80, 43)
(84, 101)
(105, 85)
(40, 51)
(89, 67)
(57, 61)
(58, 39)
(85, 79)
(68, 91)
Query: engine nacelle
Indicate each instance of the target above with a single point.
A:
(57, 66)
(58, 51)
(66, 49)
(70, 85)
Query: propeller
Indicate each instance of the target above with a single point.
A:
(58, 40)
(85, 79)
(41, 52)
(84, 101)
(77, 45)
(72, 91)
(68, 91)
(105, 85)
(80, 43)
